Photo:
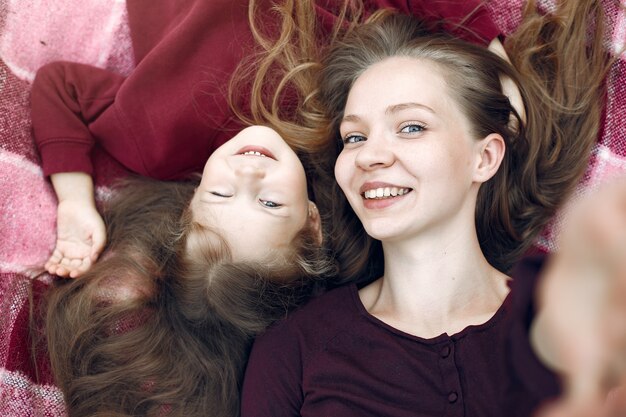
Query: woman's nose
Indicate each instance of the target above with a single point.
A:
(375, 153)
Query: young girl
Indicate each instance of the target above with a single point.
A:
(440, 168)
(255, 168)
(163, 322)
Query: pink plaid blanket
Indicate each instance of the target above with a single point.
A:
(34, 32)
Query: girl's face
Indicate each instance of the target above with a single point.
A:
(409, 163)
(253, 192)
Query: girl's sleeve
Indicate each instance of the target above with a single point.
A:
(468, 19)
(272, 385)
(65, 99)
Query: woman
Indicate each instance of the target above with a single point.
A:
(440, 168)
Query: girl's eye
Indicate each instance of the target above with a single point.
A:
(412, 128)
(353, 139)
(219, 194)
(270, 204)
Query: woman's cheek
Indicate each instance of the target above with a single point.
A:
(342, 174)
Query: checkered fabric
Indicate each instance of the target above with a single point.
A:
(34, 32)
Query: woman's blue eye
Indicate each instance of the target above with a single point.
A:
(412, 128)
(270, 204)
(354, 139)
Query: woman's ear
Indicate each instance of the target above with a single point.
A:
(491, 152)
(315, 223)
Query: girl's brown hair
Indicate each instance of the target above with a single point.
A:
(162, 324)
(559, 67)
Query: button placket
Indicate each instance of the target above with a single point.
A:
(451, 380)
(445, 351)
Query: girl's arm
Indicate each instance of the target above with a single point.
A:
(81, 233)
(65, 98)
(467, 19)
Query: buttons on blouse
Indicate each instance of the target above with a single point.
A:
(445, 352)
(450, 373)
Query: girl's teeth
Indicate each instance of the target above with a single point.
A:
(385, 192)
(255, 153)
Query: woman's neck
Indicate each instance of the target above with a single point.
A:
(434, 285)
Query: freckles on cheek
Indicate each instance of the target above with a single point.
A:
(460, 159)
(450, 166)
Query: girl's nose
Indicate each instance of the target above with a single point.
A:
(250, 171)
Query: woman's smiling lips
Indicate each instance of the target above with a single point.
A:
(380, 194)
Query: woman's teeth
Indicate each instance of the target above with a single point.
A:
(385, 192)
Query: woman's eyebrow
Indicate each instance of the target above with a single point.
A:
(403, 106)
(395, 108)
(351, 118)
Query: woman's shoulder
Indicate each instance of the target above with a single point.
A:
(525, 275)
(334, 306)
(317, 321)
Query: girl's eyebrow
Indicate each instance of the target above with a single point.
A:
(218, 200)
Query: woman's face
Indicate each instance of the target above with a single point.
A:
(253, 192)
(408, 162)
